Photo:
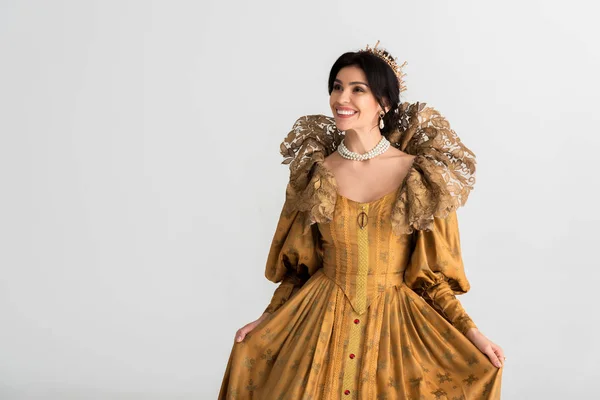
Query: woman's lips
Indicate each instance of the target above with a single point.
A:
(345, 115)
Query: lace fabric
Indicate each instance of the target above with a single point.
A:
(438, 182)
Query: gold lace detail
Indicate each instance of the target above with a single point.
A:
(439, 181)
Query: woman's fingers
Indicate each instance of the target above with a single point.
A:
(239, 336)
(243, 331)
(489, 348)
(499, 352)
(493, 357)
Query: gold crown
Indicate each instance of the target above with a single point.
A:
(385, 56)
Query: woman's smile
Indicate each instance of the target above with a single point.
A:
(345, 112)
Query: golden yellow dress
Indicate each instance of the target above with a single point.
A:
(366, 306)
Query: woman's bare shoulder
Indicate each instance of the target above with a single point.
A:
(332, 160)
(395, 152)
(398, 158)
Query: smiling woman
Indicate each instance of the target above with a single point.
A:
(362, 91)
(367, 256)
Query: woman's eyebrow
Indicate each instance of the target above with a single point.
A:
(353, 83)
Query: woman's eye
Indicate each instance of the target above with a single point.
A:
(337, 87)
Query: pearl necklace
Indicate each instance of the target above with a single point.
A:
(380, 148)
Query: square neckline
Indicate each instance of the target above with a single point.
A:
(369, 203)
(395, 191)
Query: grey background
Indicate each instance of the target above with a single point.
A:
(140, 179)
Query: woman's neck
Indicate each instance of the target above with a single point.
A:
(361, 142)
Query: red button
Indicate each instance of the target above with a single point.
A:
(356, 321)
(352, 356)
(346, 391)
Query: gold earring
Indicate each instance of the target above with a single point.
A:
(381, 124)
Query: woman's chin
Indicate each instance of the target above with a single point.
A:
(343, 125)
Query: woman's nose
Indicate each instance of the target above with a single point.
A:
(344, 97)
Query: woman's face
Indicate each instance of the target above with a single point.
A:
(352, 102)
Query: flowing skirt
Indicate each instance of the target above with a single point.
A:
(316, 347)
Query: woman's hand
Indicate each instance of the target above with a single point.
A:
(487, 347)
(243, 331)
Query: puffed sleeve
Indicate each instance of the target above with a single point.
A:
(436, 270)
(295, 254)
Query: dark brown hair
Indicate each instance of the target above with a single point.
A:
(381, 79)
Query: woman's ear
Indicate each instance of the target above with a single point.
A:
(386, 104)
